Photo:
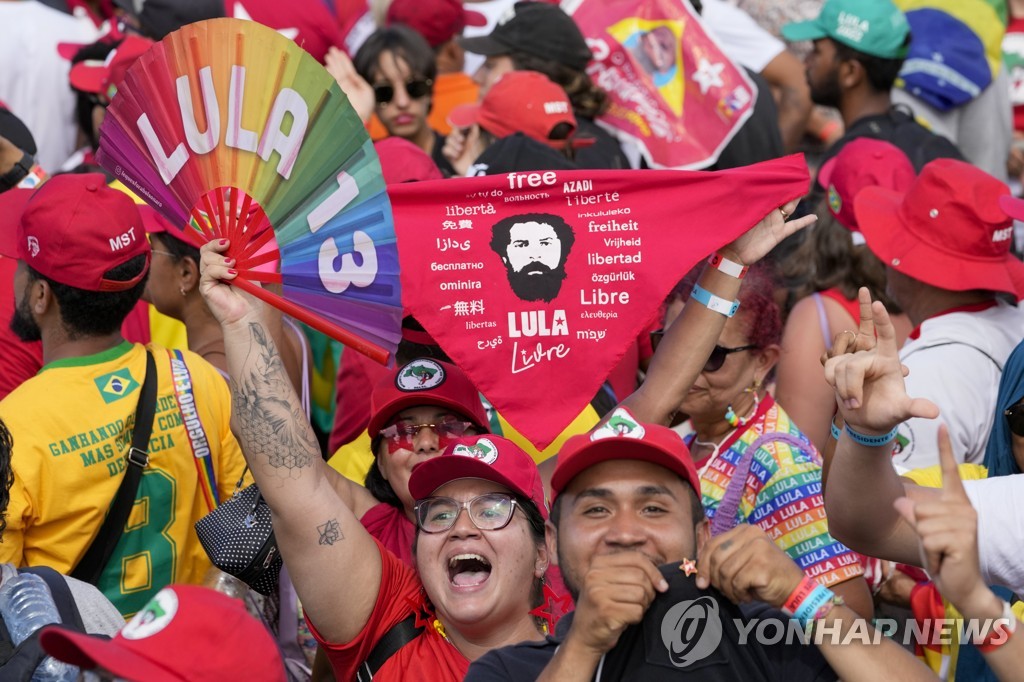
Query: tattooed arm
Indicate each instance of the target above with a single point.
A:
(321, 540)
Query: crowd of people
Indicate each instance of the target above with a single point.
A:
(819, 434)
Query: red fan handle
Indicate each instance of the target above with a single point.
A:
(370, 350)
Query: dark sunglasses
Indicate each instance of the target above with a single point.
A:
(1015, 419)
(717, 357)
(385, 92)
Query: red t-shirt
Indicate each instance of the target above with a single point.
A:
(392, 529)
(430, 657)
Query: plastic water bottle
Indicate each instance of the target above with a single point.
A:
(27, 605)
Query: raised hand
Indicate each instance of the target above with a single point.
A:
(745, 565)
(948, 527)
(360, 93)
(755, 243)
(869, 385)
(228, 304)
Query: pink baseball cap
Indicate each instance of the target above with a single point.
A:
(74, 228)
(623, 437)
(864, 162)
(487, 457)
(185, 632)
(425, 381)
(105, 77)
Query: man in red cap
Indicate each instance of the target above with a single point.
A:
(83, 262)
(946, 248)
(626, 502)
(185, 632)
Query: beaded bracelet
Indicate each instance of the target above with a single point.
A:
(712, 302)
(871, 441)
(729, 267)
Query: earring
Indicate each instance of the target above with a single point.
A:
(183, 292)
(730, 414)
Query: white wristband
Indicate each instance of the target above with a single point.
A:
(731, 268)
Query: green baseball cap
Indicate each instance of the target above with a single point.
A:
(874, 27)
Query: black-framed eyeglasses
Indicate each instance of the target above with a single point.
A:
(492, 511)
(1015, 418)
(402, 434)
(718, 354)
(416, 88)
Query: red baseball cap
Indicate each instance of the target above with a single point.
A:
(521, 101)
(436, 20)
(623, 437)
(12, 205)
(425, 381)
(487, 457)
(948, 230)
(864, 162)
(185, 632)
(105, 77)
(74, 228)
(402, 161)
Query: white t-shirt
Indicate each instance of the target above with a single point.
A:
(956, 363)
(1000, 529)
(34, 77)
(740, 37)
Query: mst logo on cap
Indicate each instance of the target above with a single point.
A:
(621, 425)
(154, 617)
(420, 375)
(484, 450)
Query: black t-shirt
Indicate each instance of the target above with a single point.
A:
(606, 152)
(516, 153)
(758, 139)
(711, 638)
(443, 164)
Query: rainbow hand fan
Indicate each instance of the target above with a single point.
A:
(231, 130)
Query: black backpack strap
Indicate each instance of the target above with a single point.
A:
(102, 548)
(394, 639)
(62, 597)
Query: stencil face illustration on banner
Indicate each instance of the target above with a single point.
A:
(536, 283)
(673, 91)
(229, 129)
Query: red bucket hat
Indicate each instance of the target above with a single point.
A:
(948, 231)
(623, 437)
(185, 632)
(425, 381)
(74, 228)
(105, 77)
(487, 457)
(864, 162)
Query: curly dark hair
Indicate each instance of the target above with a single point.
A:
(827, 258)
(6, 473)
(501, 233)
(587, 98)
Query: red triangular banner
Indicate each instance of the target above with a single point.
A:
(535, 283)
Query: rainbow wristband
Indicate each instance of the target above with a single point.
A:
(712, 302)
(871, 441)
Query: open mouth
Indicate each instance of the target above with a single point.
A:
(468, 570)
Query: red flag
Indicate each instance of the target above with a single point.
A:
(674, 92)
(536, 282)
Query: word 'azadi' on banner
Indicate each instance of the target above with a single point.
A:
(535, 283)
(673, 91)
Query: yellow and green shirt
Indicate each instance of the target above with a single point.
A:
(72, 427)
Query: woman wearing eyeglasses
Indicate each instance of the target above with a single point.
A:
(416, 411)
(755, 465)
(400, 66)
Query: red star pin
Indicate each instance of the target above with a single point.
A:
(689, 567)
(553, 607)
